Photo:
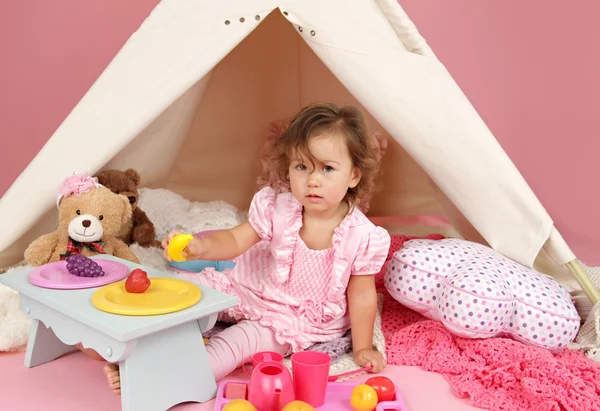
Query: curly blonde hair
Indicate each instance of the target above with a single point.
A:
(312, 121)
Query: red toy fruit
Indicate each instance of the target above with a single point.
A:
(384, 388)
(137, 282)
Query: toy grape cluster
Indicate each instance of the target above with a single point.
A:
(83, 266)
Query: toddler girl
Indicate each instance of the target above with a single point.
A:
(307, 255)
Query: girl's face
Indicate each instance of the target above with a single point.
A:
(322, 186)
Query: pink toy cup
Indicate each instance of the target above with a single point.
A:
(311, 373)
(261, 357)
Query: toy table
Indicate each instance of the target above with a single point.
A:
(162, 358)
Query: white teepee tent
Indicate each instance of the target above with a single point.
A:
(188, 98)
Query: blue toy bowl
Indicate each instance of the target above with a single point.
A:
(195, 266)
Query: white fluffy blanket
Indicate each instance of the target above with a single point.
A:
(14, 324)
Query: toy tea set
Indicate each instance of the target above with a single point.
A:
(307, 388)
(136, 295)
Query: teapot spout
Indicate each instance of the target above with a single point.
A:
(277, 400)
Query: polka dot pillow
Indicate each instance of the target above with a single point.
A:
(478, 293)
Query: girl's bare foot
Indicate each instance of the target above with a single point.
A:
(112, 375)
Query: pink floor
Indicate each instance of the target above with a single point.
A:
(75, 382)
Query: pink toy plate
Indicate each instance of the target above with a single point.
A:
(337, 397)
(55, 275)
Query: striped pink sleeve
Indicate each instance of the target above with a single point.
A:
(372, 253)
(260, 214)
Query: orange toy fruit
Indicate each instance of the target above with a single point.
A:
(239, 405)
(298, 406)
(137, 282)
(364, 398)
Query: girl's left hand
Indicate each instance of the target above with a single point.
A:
(370, 358)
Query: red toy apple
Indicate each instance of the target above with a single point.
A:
(384, 388)
(137, 282)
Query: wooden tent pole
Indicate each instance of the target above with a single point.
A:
(583, 279)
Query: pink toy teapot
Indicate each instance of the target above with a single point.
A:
(271, 386)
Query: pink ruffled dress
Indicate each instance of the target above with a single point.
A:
(286, 286)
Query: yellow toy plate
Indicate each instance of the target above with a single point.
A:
(165, 295)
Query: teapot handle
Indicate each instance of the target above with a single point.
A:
(245, 369)
(266, 356)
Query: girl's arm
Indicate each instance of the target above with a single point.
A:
(362, 305)
(222, 245)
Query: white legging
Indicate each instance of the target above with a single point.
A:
(235, 345)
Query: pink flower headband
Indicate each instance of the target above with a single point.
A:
(77, 184)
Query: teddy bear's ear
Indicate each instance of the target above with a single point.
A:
(127, 210)
(101, 176)
(133, 175)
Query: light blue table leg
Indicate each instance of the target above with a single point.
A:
(43, 346)
(167, 368)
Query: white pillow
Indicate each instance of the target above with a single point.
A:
(477, 293)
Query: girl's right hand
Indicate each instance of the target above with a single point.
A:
(190, 251)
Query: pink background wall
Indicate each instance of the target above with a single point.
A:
(530, 68)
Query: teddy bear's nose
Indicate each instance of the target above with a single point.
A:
(86, 223)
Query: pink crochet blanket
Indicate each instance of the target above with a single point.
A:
(496, 373)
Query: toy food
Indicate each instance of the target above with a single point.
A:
(137, 282)
(364, 398)
(177, 245)
(82, 266)
(384, 388)
(298, 406)
(239, 405)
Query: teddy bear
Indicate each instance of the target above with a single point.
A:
(90, 217)
(139, 229)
